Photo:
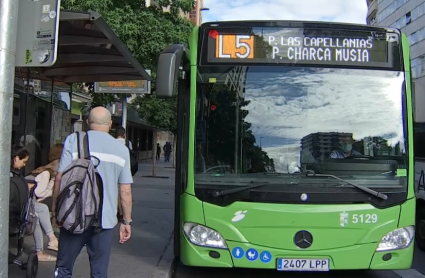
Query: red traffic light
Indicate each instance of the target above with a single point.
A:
(213, 34)
(213, 107)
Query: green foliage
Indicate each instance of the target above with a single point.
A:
(99, 99)
(226, 123)
(146, 31)
(162, 113)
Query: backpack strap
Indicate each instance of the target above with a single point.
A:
(83, 145)
(86, 145)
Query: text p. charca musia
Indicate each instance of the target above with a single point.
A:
(320, 48)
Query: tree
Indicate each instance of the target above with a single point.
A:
(161, 113)
(224, 125)
(146, 31)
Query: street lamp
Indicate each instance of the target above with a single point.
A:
(200, 15)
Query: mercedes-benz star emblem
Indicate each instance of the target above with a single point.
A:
(303, 239)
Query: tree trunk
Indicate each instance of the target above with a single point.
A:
(154, 153)
(174, 149)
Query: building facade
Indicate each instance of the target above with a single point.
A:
(318, 146)
(195, 15)
(409, 17)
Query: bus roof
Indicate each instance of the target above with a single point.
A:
(299, 24)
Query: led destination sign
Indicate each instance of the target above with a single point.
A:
(297, 45)
(319, 48)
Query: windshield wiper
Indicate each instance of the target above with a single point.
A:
(363, 188)
(239, 189)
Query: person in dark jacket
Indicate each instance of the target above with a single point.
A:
(158, 151)
(19, 194)
(167, 151)
(18, 190)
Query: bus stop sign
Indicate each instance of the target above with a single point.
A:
(37, 33)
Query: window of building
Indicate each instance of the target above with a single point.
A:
(418, 66)
(372, 20)
(413, 38)
(399, 3)
(418, 11)
(395, 5)
(408, 18)
(421, 34)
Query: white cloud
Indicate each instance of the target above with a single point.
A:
(288, 106)
(286, 159)
(352, 11)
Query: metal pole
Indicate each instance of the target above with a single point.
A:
(237, 134)
(8, 27)
(124, 111)
(26, 107)
(52, 109)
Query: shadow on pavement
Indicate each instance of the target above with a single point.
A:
(183, 271)
(153, 212)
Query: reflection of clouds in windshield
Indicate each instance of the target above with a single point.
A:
(286, 158)
(298, 102)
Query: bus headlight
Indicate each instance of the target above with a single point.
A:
(203, 236)
(397, 239)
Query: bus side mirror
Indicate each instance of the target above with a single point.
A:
(168, 70)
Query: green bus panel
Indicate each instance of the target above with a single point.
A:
(271, 228)
(347, 235)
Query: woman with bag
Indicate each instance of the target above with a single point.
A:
(45, 176)
(19, 159)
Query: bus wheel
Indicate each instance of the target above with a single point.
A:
(420, 228)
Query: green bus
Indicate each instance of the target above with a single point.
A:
(294, 148)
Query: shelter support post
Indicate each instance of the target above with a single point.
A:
(52, 91)
(8, 27)
(124, 111)
(26, 99)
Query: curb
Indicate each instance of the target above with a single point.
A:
(167, 263)
(410, 273)
(173, 268)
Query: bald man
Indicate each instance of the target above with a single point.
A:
(114, 168)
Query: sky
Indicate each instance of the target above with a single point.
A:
(352, 11)
(285, 107)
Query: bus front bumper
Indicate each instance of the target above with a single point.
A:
(362, 256)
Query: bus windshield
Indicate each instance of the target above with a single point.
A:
(276, 123)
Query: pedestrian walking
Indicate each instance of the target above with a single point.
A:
(167, 151)
(158, 151)
(112, 163)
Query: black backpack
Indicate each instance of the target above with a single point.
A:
(134, 162)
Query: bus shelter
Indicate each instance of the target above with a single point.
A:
(88, 51)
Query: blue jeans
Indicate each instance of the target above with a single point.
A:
(98, 247)
(167, 156)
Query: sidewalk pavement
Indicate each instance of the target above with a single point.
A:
(149, 253)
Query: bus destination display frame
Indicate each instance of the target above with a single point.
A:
(317, 45)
